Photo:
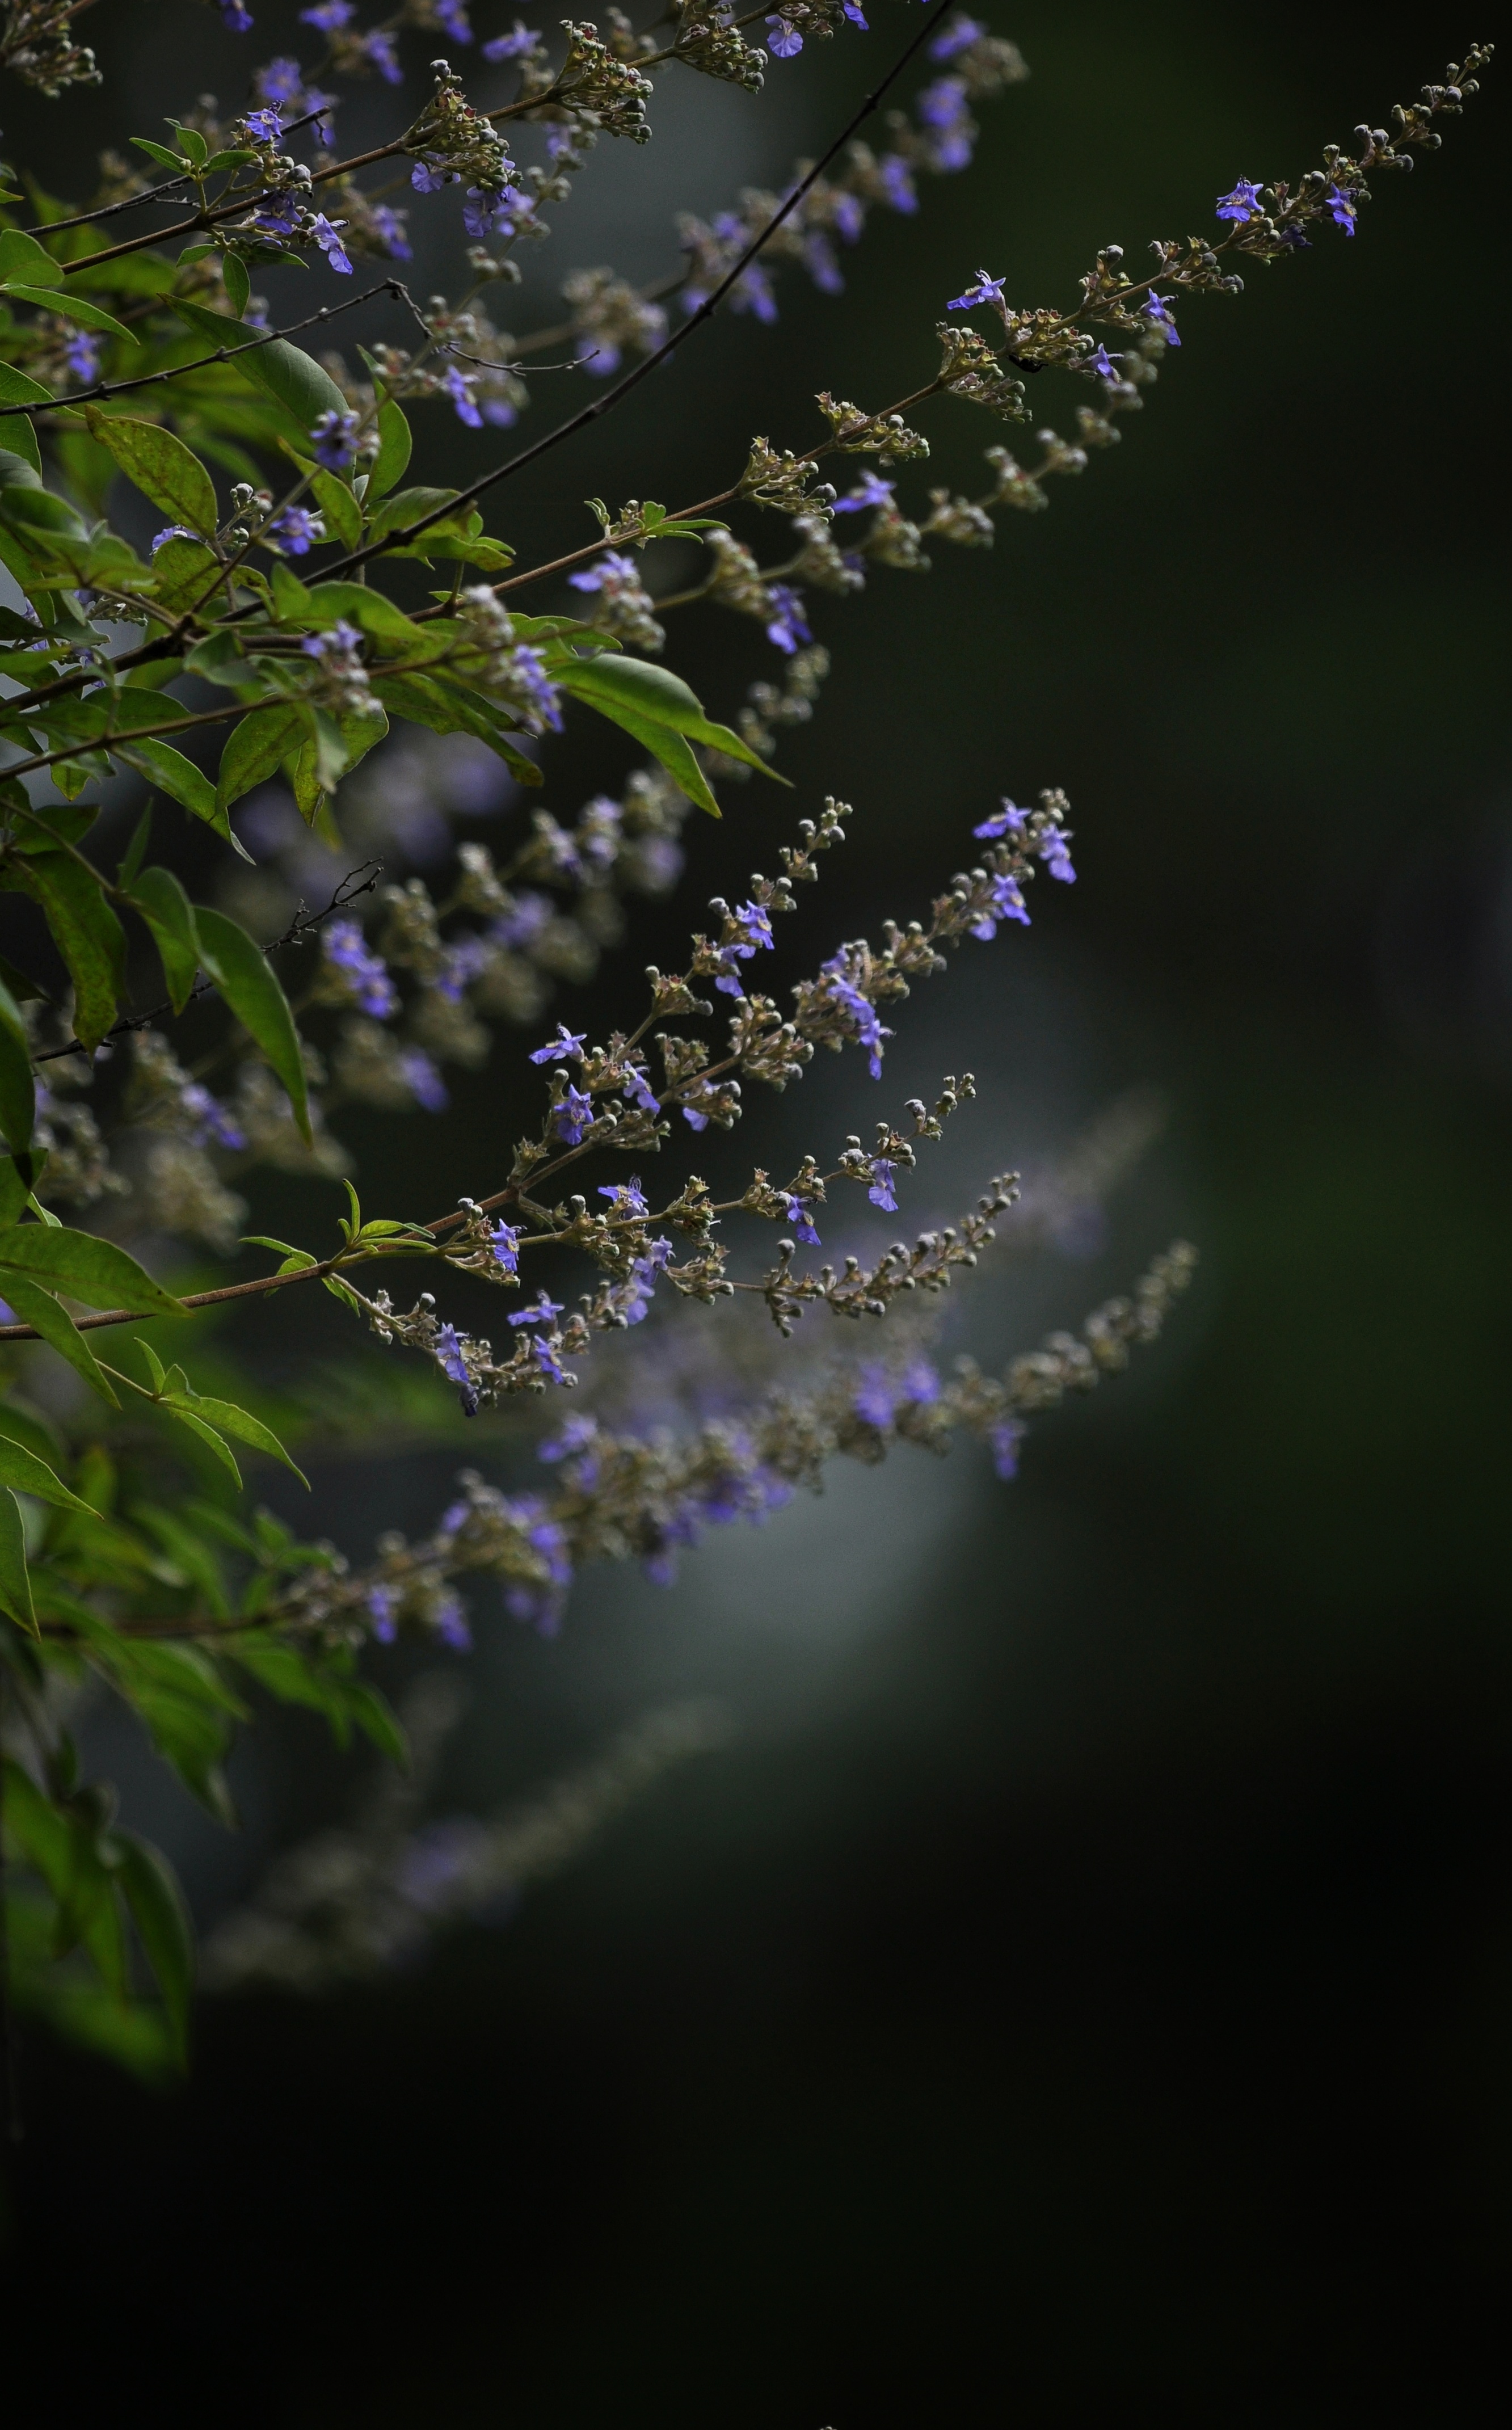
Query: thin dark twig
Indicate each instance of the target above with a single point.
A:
(149, 194)
(302, 924)
(605, 404)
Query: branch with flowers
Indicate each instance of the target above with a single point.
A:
(313, 656)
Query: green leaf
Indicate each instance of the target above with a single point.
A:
(161, 467)
(291, 379)
(18, 1085)
(21, 256)
(161, 1918)
(159, 153)
(35, 1305)
(671, 748)
(423, 702)
(25, 1425)
(395, 441)
(24, 1472)
(340, 509)
(236, 1422)
(86, 1268)
(73, 308)
(611, 683)
(290, 599)
(257, 747)
(182, 782)
(365, 607)
(184, 571)
(135, 851)
(15, 1577)
(85, 929)
(165, 907)
(206, 1434)
(18, 431)
(254, 994)
(234, 273)
(407, 506)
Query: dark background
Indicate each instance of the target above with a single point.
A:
(1083, 1990)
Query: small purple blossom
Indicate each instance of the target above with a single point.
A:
(897, 183)
(173, 531)
(1295, 240)
(423, 1080)
(1005, 903)
(453, 16)
(802, 1222)
(297, 530)
(881, 1191)
(451, 1624)
(919, 1383)
(873, 1397)
(380, 1604)
(577, 1434)
(516, 45)
(987, 291)
(389, 227)
(572, 1116)
(786, 627)
(1054, 851)
(324, 232)
(855, 15)
(959, 36)
(873, 491)
(636, 1088)
(1004, 1439)
(209, 1117)
(335, 440)
(849, 214)
(346, 950)
(265, 125)
(343, 639)
(426, 179)
(489, 210)
(626, 1197)
(449, 1355)
(81, 352)
(1158, 308)
(547, 1359)
(545, 1311)
(329, 16)
(563, 1048)
(281, 82)
(612, 567)
(1008, 820)
(277, 214)
(1242, 204)
(542, 700)
(783, 41)
(1102, 362)
(504, 1240)
(238, 20)
(1341, 209)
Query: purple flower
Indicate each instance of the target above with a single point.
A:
(869, 1030)
(488, 209)
(453, 15)
(942, 105)
(451, 1624)
(210, 1118)
(1158, 308)
(344, 948)
(881, 1191)
(329, 15)
(238, 20)
(1242, 204)
(1005, 903)
(1053, 852)
(281, 82)
(542, 700)
(173, 531)
(919, 1383)
(1009, 819)
(636, 1087)
(545, 1311)
(389, 228)
(426, 180)
(524, 924)
(516, 45)
(1341, 209)
(325, 233)
(342, 638)
(783, 41)
(873, 1397)
(547, 1359)
(1004, 1439)
(449, 1355)
(423, 1080)
(265, 125)
(787, 627)
(1295, 241)
(855, 15)
(459, 387)
(957, 37)
(752, 293)
(335, 438)
(802, 1222)
(755, 930)
(576, 1436)
(465, 962)
(380, 1604)
(873, 491)
(571, 1118)
(626, 1197)
(987, 291)
(848, 213)
(612, 567)
(563, 1048)
(297, 530)
(505, 1242)
(82, 354)
(897, 183)
(1100, 362)
(277, 215)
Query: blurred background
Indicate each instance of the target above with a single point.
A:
(1059, 1959)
